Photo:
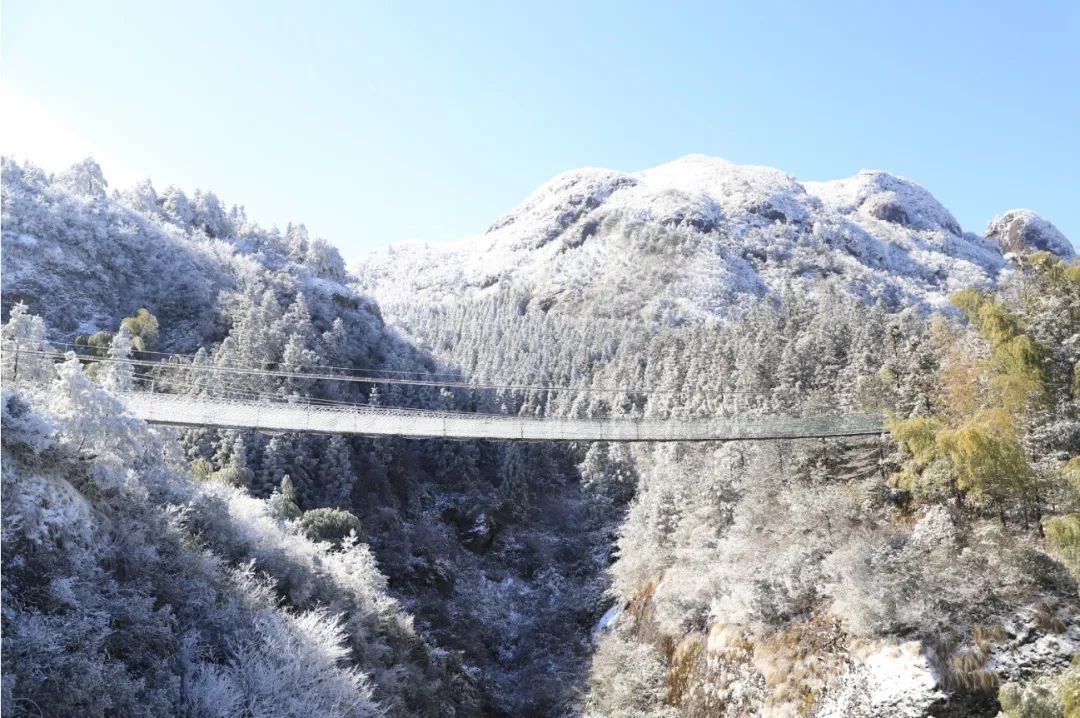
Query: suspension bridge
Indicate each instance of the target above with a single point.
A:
(187, 402)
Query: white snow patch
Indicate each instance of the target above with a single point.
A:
(893, 680)
(607, 622)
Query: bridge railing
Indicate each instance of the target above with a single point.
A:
(387, 421)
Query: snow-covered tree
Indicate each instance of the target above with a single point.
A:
(118, 373)
(24, 336)
(176, 208)
(85, 179)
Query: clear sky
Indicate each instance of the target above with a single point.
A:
(378, 122)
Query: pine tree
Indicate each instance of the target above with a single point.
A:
(336, 472)
(85, 179)
(175, 207)
(512, 494)
(273, 465)
(296, 241)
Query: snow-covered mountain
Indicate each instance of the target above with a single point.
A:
(701, 235)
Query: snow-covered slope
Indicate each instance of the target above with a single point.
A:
(83, 260)
(701, 235)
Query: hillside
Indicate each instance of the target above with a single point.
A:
(700, 236)
(464, 588)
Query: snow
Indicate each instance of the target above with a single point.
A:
(328, 287)
(698, 236)
(887, 679)
(870, 192)
(734, 188)
(1031, 652)
(1018, 228)
(606, 624)
(899, 673)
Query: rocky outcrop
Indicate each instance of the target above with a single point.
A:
(814, 667)
(1021, 231)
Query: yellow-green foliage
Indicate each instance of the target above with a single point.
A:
(1015, 363)
(201, 469)
(973, 445)
(98, 342)
(981, 457)
(1063, 539)
(1070, 689)
(233, 476)
(918, 435)
(1054, 697)
(1071, 472)
(927, 475)
(1035, 700)
(144, 330)
(328, 524)
(1063, 276)
(986, 457)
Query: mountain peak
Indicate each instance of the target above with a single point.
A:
(733, 188)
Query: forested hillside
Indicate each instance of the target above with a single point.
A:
(932, 572)
(916, 577)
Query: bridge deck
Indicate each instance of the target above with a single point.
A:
(177, 410)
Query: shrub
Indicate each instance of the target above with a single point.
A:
(331, 525)
(144, 330)
(233, 476)
(627, 679)
(1034, 700)
(201, 469)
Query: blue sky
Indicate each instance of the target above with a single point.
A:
(379, 122)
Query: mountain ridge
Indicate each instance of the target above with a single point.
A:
(700, 235)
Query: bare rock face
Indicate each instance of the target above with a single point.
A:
(1021, 231)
